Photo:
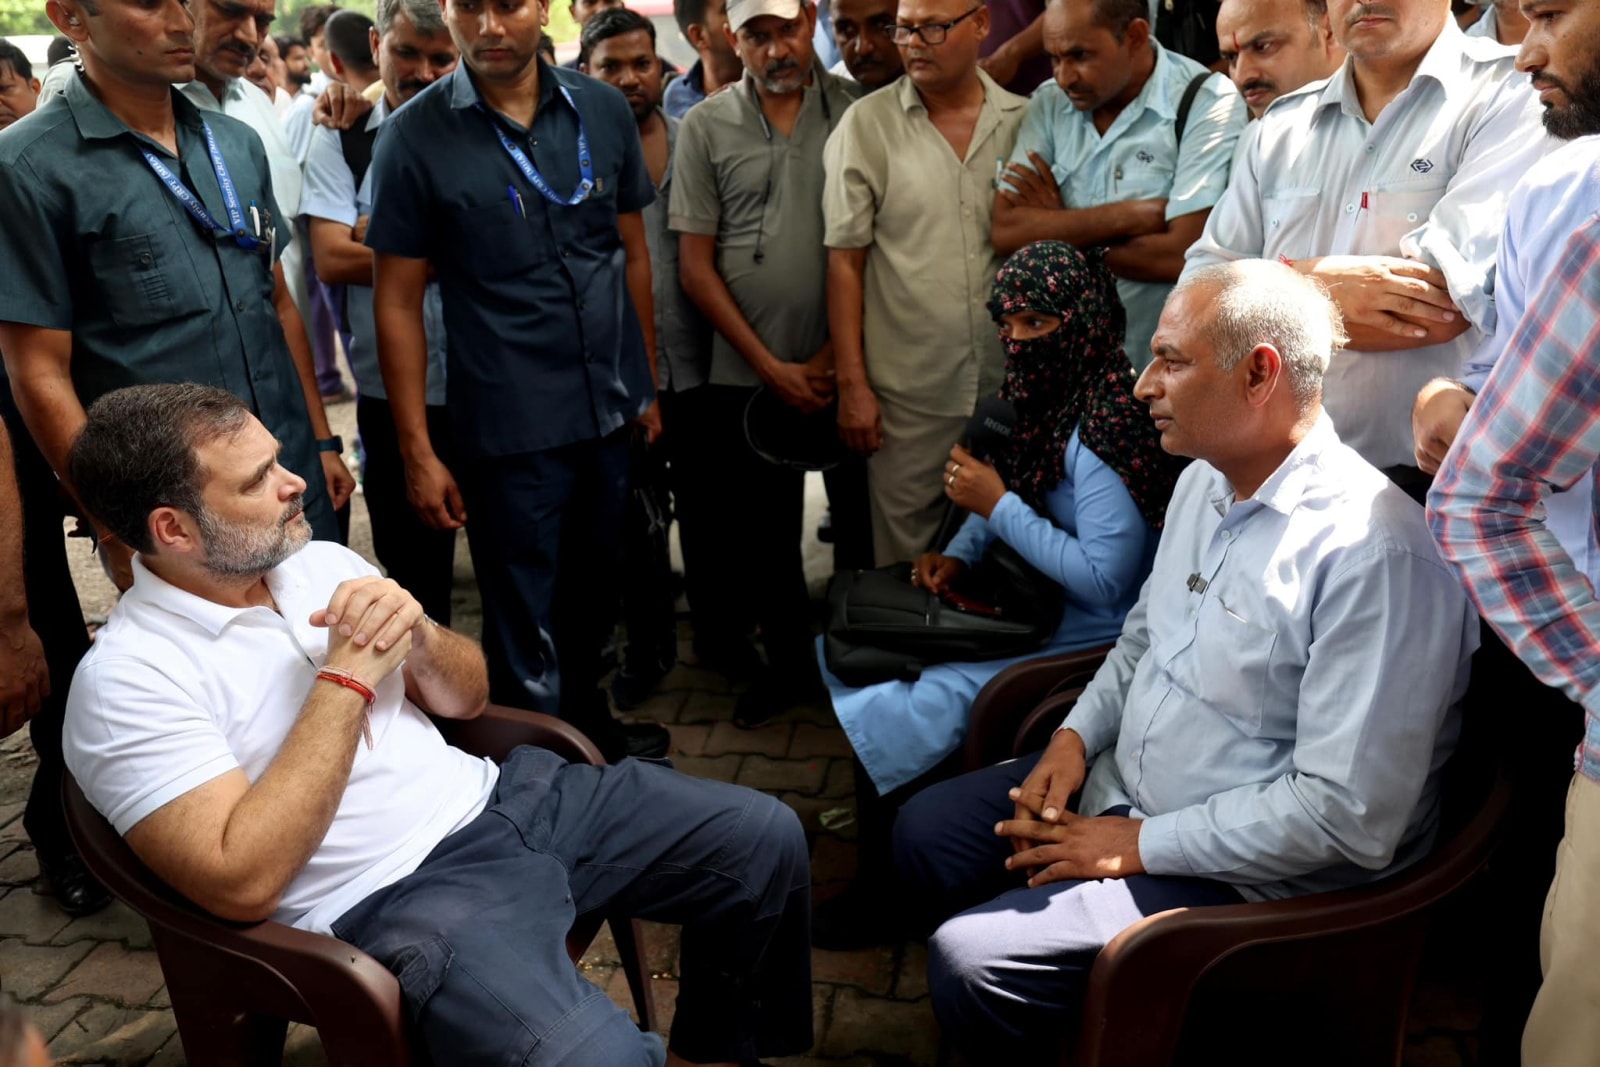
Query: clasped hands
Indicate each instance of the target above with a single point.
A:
(372, 624)
(1053, 844)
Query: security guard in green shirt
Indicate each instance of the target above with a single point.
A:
(139, 245)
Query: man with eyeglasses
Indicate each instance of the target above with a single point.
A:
(1127, 150)
(746, 203)
(910, 189)
(864, 30)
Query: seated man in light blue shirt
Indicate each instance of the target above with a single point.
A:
(412, 49)
(1273, 720)
(1128, 148)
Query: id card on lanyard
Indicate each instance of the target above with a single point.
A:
(256, 237)
(531, 173)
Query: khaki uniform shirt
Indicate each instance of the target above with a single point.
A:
(759, 193)
(896, 188)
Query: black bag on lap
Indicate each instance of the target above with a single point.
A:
(882, 628)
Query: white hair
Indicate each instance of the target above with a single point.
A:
(1258, 302)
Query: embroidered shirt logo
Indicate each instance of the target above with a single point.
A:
(1144, 156)
(1422, 166)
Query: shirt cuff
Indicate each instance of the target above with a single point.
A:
(684, 224)
(1095, 741)
(1159, 849)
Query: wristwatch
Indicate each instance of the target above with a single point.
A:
(330, 444)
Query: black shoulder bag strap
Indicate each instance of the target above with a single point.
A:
(356, 144)
(1189, 93)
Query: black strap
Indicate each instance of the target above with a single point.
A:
(1189, 93)
(356, 144)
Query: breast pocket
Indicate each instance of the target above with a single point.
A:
(496, 240)
(1232, 654)
(1398, 209)
(1288, 221)
(1142, 174)
(598, 211)
(145, 279)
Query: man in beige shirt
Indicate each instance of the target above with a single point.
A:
(908, 199)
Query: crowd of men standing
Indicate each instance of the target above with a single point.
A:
(564, 294)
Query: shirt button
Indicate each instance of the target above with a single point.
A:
(1412, 217)
(1371, 148)
(238, 305)
(1227, 535)
(1349, 209)
(581, 305)
(565, 252)
(145, 259)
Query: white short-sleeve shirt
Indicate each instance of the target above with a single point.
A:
(178, 690)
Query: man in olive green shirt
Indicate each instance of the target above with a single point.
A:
(746, 203)
(908, 201)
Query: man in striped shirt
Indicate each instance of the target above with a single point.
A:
(1534, 429)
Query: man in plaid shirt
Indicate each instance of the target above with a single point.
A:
(1535, 429)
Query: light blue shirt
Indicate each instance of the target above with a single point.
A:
(1547, 205)
(1094, 543)
(331, 193)
(1138, 158)
(1283, 696)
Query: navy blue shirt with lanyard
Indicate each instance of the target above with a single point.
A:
(545, 347)
(98, 241)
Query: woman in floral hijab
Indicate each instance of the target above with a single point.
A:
(1078, 494)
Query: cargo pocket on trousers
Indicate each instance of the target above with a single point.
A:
(420, 969)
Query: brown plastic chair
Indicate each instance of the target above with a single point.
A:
(235, 987)
(1320, 979)
(1014, 701)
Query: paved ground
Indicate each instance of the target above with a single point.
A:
(94, 988)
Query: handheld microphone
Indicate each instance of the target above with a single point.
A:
(990, 428)
(988, 432)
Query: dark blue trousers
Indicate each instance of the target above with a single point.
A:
(1008, 965)
(545, 530)
(477, 934)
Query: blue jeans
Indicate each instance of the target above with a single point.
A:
(1008, 965)
(477, 934)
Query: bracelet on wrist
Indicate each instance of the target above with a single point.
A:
(341, 677)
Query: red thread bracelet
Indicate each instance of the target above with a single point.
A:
(340, 676)
(349, 681)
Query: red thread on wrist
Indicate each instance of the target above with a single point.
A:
(349, 681)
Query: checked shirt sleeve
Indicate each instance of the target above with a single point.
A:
(1534, 428)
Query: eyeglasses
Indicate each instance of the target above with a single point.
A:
(934, 33)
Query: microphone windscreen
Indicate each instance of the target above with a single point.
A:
(991, 427)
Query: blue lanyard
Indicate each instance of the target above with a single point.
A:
(520, 158)
(230, 196)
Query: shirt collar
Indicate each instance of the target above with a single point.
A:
(1441, 63)
(910, 100)
(380, 111)
(1287, 485)
(464, 91)
(96, 122)
(1156, 94)
(202, 96)
(162, 595)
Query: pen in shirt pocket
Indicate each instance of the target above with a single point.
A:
(999, 170)
(516, 200)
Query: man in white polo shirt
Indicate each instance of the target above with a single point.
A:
(249, 720)
(1388, 183)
